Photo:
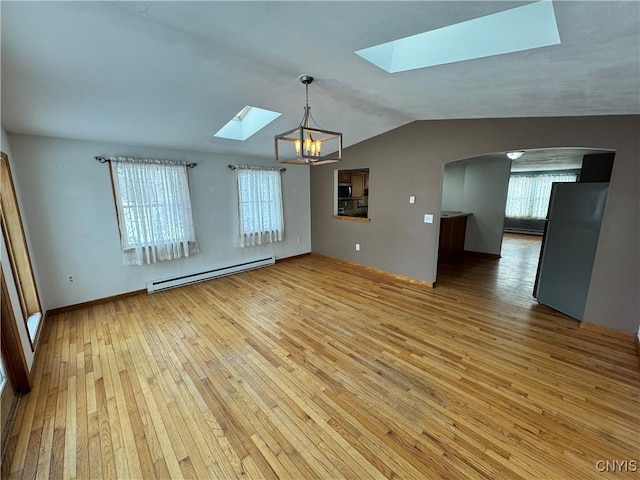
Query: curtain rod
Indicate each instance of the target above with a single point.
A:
(233, 167)
(105, 160)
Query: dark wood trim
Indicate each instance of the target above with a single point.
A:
(395, 276)
(91, 303)
(293, 257)
(15, 361)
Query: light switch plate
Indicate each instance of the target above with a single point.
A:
(428, 218)
(412, 199)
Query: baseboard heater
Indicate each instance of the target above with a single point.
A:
(158, 285)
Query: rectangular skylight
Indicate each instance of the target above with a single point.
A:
(522, 28)
(247, 122)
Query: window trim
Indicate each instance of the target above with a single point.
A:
(17, 249)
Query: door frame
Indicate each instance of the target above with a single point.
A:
(18, 251)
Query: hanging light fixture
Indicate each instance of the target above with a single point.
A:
(305, 144)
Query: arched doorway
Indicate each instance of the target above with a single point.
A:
(474, 194)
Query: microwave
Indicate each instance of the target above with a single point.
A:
(344, 191)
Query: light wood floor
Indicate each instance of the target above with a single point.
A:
(315, 369)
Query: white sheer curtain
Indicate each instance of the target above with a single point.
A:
(154, 210)
(528, 196)
(259, 195)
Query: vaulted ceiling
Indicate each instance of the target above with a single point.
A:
(170, 74)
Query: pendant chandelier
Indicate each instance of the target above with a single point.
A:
(305, 144)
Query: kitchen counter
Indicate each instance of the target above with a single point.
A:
(453, 214)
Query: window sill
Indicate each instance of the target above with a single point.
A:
(351, 219)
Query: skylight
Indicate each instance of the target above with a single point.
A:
(522, 28)
(246, 122)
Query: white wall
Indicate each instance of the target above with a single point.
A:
(67, 204)
(485, 195)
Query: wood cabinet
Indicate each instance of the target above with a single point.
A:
(453, 230)
(357, 185)
(344, 176)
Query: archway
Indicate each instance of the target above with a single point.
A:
(474, 198)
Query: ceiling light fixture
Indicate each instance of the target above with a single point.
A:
(515, 155)
(304, 144)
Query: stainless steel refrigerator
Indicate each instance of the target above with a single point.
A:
(569, 246)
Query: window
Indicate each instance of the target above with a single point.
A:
(260, 216)
(528, 196)
(352, 194)
(3, 375)
(154, 210)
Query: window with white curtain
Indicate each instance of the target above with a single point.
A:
(528, 196)
(259, 196)
(154, 210)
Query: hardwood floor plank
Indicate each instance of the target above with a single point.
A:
(94, 453)
(70, 430)
(319, 369)
(104, 432)
(82, 431)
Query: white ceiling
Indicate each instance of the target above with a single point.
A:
(538, 159)
(170, 74)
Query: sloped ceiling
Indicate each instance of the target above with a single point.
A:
(170, 74)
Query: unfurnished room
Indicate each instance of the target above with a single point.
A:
(320, 240)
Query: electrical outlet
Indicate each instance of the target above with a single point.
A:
(412, 199)
(428, 218)
(71, 278)
(357, 247)
(299, 239)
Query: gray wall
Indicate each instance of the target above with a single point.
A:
(485, 195)
(67, 206)
(409, 161)
(479, 187)
(453, 186)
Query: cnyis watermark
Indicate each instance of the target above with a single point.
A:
(612, 466)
